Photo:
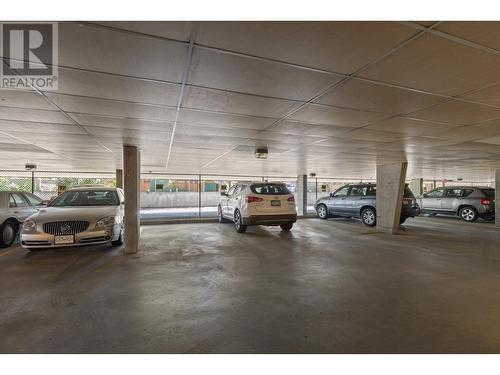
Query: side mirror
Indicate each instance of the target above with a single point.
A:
(223, 193)
(331, 195)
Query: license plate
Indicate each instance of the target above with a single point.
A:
(62, 240)
(275, 203)
(406, 202)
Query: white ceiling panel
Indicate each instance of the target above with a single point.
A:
(122, 123)
(222, 120)
(231, 102)
(171, 30)
(321, 114)
(112, 108)
(244, 75)
(437, 65)
(107, 86)
(324, 45)
(25, 114)
(23, 99)
(104, 50)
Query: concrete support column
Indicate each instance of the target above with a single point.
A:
(417, 186)
(497, 197)
(302, 195)
(390, 189)
(119, 178)
(131, 183)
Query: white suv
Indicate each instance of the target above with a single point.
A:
(258, 203)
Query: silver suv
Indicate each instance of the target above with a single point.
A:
(469, 203)
(359, 200)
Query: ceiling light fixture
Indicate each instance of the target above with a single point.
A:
(261, 153)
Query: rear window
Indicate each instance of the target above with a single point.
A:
(490, 193)
(269, 189)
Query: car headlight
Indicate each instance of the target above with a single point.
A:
(105, 221)
(29, 225)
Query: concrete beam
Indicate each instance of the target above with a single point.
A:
(390, 189)
(119, 178)
(131, 185)
(417, 186)
(302, 195)
(497, 197)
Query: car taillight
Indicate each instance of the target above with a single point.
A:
(291, 199)
(485, 201)
(251, 199)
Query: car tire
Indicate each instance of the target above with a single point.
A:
(402, 220)
(286, 227)
(322, 211)
(8, 232)
(368, 217)
(238, 223)
(119, 241)
(468, 214)
(219, 215)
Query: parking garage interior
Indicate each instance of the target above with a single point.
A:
(174, 112)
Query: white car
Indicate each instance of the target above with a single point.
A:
(258, 203)
(15, 207)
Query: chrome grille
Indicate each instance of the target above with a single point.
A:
(60, 228)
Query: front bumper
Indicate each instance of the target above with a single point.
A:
(269, 219)
(92, 236)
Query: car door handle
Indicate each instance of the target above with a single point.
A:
(16, 212)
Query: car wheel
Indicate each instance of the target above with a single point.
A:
(8, 231)
(238, 224)
(402, 220)
(286, 227)
(322, 211)
(219, 215)
(468, 214)
(368, 217)
(120, 239)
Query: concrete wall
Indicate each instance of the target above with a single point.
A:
(178, 199)
(190, 199)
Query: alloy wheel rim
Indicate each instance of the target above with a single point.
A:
(467, 214)
(369, 217)
(237, 220)
(7, 234)
(321, 211)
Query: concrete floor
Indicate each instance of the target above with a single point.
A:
(327, 287)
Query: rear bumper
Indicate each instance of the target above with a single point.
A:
(410, 211)
(269, 219)
(487, 215)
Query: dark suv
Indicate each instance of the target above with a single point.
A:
(468, 202)
(359, 200)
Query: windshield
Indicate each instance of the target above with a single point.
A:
(490, 193)
(78, 198)
(269, 189)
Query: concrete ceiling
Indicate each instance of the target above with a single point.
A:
(332, 98)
